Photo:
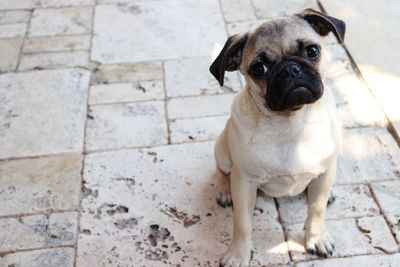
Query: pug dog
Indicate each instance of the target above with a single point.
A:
(283, 135)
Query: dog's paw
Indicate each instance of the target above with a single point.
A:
(238, 255)
(224, 199)
(321, 244)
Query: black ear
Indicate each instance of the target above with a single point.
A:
(324, 24)
(229, 58)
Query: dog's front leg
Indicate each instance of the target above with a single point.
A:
(318, 240)
(244, 194)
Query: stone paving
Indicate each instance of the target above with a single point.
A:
(108, 117)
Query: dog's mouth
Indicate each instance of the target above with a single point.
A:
(291, 85)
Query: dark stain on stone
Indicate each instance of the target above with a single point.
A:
(186, 219)
(125, 223)
(86, 232)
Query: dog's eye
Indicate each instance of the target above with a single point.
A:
(312, 51)
(259, 69)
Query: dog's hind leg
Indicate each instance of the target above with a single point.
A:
(224, 166)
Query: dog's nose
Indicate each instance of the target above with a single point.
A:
(292, 70)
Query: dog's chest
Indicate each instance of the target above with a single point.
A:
(285, 163)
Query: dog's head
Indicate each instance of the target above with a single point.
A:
(281, 59)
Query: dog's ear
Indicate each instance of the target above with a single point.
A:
(323, 24)
(229, 58)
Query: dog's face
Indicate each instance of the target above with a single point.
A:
(281, 59)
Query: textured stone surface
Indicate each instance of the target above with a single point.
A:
(243, 26)
(117, 73)
(54, 60)
(28, 4)
(9, 53)
(14, 16)
(73, 20)
(350, 201)
(268, 9)
(352, 237)
(12, 30)
(40, 184)
(156, 31)
(237, 10)
(201, 106)
(126, 125)
(61, 257)
(28, 127)
(198, 129)
(370, 260)
(368, 154)
(126, 92)
(186, 77)
(133, 203)
(43, 231)
(56, 43)
(388, 196)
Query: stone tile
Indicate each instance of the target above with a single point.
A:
(388, 196)
(12, 30)
(198, 129)
(237, 10)
(187, 77)
(42, 112)
(117, 73)
(356, 104)
(147, 26)
(126, 92)
(62, 257)
(274, 8)
(57, 60)
(40, 184)
(243, 26)
(29, 4)
(394, 224)
(73, 20)
(134, 204)
(368, 260)
(188, 107)
(14, 16)
(38, 231)
(350, 201)
(369, 235)
(56, 43)
(378, 66)
(126, 125)
(9, 53)
(368, 154)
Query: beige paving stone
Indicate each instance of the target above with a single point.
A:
(190, 77)
(243, 26)
(42, 112)
(197, 129)
(133, 203)
(126, 125)
(274, 8)
(188, 107)
(237, 10)
(154, 29)
(9, 53)
(117, 73)
(388, 196)
(373, 43)
(368, 235)
(57, 60)
(29, 4)
(56, 43)
(358, 261)
(62, 257)
(350, 201)
(40, 184)
(38, 231)
(368, 154)
(12, 30)
(72, 20)
(126, 92)
(14, 16)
